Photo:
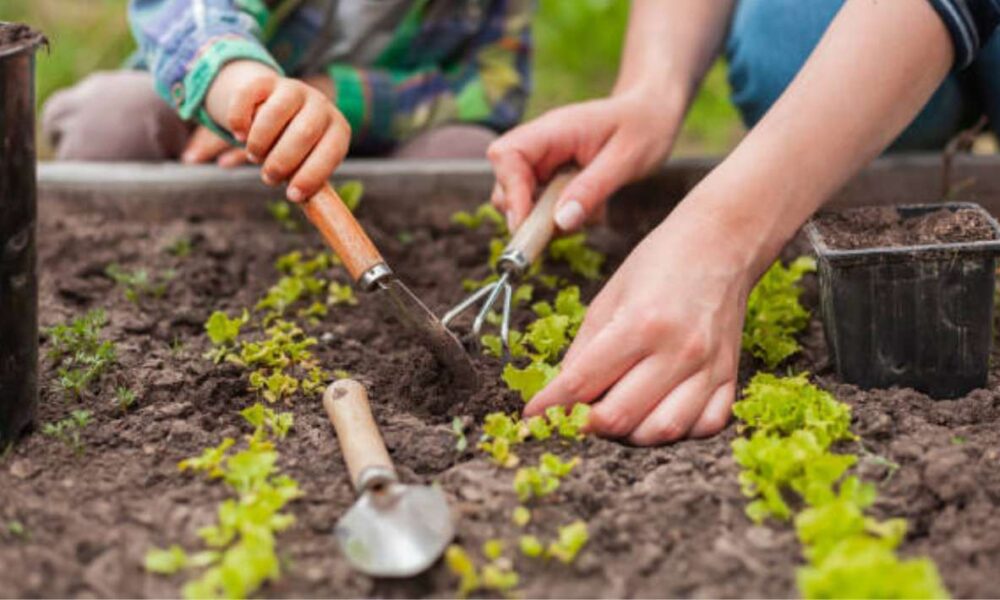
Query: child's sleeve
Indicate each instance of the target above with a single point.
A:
(488, 85)
(185, 43)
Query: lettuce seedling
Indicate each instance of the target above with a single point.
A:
(265, 420)
(180, 247)
(461, 565)
(351, 192)
(531, 546)
(529, 380)
(484, 213)
(458, 429)
(581, 259)
(282, 213)
(774, 315)
(569, 426)
(68, 430)
(536, 482)
(784, 405)
(166, 562)
(521, 516)
(572, 539)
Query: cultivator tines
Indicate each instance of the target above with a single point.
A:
(526, 245)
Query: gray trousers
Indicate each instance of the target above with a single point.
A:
(117, 116)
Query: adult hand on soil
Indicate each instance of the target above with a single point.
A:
(614, 140)
(289, 127)
(204, 146)
(658, 352)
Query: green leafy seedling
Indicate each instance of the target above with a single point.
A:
(282, 213)
(69, 430)
(139, 283)
(572, 538)
(351, 192)
(774, 315)
(79, 353)
(180, 247)
(124, 397)
(458, 429)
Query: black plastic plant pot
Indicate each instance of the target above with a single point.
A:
(18, 280)
(911, 316)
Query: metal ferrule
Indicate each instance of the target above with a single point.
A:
(375, 477)
(513, 261)
(370, 278)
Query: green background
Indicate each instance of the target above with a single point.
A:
(87, 35)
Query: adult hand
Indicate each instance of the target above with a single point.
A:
(614, 140)
(289, 127)
(659, 349)
(204, 146)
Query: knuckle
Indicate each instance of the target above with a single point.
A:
(574, 385)
(277, 168)
(695, 348)
(653, 320)
(610, 421)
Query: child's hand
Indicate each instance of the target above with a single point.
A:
(204, 146)
(290, 128)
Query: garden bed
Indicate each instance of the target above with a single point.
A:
(663, 522)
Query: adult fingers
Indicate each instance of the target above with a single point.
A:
(516, 183)
(611, 168)
(715, 417)
(318, 167)
(635, 396)
(296, 142)
(597, 366)
(271, 119)
(203, 146)
(674, 416)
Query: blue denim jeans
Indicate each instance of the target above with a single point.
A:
(770, 40)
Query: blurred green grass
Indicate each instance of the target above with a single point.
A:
(577, 48)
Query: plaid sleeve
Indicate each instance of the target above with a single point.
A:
(970, 23)
(489, 85)
(185, 43)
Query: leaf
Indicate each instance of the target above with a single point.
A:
(531, 546)
(521, 516)
(582, 260)
(458, 428)
(461, 565)
(530, 380)
(493, 549)
(539, 428)
(773, 313)
(166, 562)
(572, 539)
(351, 192)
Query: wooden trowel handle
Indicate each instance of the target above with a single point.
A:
(535, 233)
(342, 231)
(346, 402)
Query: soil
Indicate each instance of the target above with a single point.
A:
(885, 227)
(664, 522)
(15, 34)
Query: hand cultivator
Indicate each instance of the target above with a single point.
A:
(527, 245)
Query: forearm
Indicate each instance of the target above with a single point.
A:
(670, 45)
(876, 66)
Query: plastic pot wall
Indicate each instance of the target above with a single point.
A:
(916, 316)
(18, 280)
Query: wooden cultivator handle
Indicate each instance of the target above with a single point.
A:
(535, 233)
(342, 231)
(346, 403)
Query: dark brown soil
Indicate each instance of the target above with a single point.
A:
(664, 522)
(12, 34)
(885, 227)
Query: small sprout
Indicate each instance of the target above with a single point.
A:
(461, 565)
(339, 293)
(265, 419)
(572, 538)
(176, 347)
(68, 430)
(341, 374)
(166, 562)
(125, 397)
(458, 428)
(536, 482)
(499, 578)
(405, 237)
(529, 380)
(958, 440)
(493, 549)
(521, 516)
(569, 426)
(180, 248)
(81, 356)
(16, 529)
(531, 546)
(581, 259)
(276, 386)
(282, 213)
(351, 192)
(139, 283)
(539, 428)
(484, 213)
(774, 315)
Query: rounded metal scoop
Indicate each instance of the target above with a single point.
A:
(393, 530)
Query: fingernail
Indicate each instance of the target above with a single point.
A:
(252, 157)
(569, 216)
(240, 136)
(295, 194)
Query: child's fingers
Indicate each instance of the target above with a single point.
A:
(296, 142)
(203, 146)
(272, 117)
(233, 157)
(245, 102)
(318, 167)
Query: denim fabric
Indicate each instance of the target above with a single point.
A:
(770, 40)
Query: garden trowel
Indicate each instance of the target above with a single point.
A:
(393, 530)
(371, 273)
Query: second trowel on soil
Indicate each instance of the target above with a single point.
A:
(371, 273)
(393, 530)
